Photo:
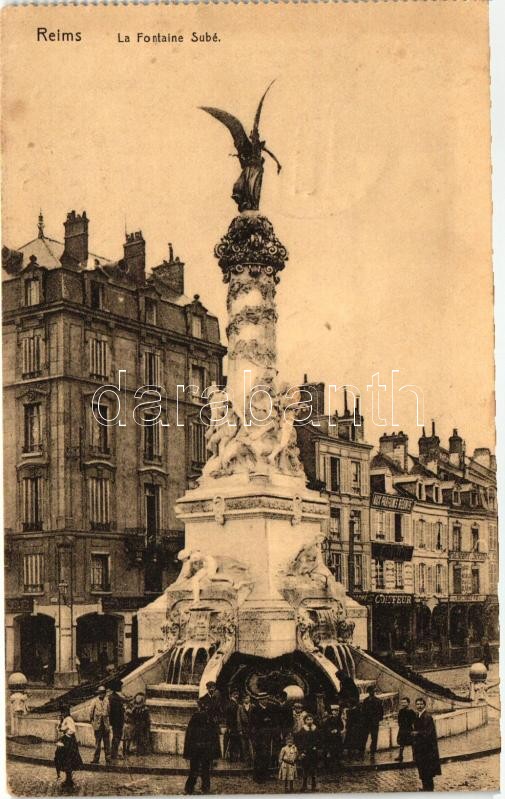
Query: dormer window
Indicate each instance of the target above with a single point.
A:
(151, 311)
(436, 494)
(32, 291)
(456, 496)
(421, 491)
(474, 498)
(196, 326)
(96, 296)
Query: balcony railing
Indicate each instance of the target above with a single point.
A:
(103, 527)
(97, 450)
(30, 527)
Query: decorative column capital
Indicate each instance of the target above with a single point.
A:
(251, 243)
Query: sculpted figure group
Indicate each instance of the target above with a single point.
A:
(264, 440)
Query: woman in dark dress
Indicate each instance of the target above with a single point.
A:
(141, 725)
(67, 757)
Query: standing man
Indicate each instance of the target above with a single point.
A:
(372, 714)
(308, 743)
(425, 746)
(201, 747)
(406, 718)
(233, 744)
(100, 721)
(116, 716)
(214, 702)
(262, 725)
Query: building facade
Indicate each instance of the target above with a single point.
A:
(336, 460)
(449, 603)
(91, 477)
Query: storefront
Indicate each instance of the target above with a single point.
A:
(390, 622)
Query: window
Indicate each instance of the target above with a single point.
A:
(439, 579)
(355, 524)
(96, 296)
(475, 580)
(474, 499)
(379, 573)
(335, 522)
(100, 572)
(98, 358)
(99, 503)
(492, 499)
(151, 430)
(493, 538)
(398, 528)
(421, 534)
(421, 491)
(436, 494)
(151, 311)
(334, 474)
(456, 497)
(399, 582)
(439, 536)
(197, 380)
(493, 576)
(358, 572)
(422, 578)
(32, 439)
(336, 566)
(356, 477)
(380, 525)
(32, 503)
(32, 291)
(152, 512)
(196, 326)
(456, 579)
(456, 538)
(152, 371)
(33, 573)
(198, 444)
(475, 540)
(99, 431)
(31, 357)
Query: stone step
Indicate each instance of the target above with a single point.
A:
(168, 691)
(170, 710)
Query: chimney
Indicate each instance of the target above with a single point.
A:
(135, 257)
(455, 443)
(171, 272)
(396, 447)
(429, 446)
(76, 239)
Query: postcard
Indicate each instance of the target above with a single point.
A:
(250, 508)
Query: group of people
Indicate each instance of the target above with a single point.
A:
(275, 733)
(116, 719)
(266, 734)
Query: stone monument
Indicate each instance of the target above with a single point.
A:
(253, 579)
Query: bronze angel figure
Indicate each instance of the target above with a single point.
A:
(247, 189)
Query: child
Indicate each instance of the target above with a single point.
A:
(128, 729)
(287, 763)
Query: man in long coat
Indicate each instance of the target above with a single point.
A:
(201, 747)
(425, 746)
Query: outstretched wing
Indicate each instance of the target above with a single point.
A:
(258, 112)
(240, 138)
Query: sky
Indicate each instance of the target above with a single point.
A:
(379, 115)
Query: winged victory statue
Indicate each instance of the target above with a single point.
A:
(247, 188)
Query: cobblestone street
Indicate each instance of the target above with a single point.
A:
(471, 775)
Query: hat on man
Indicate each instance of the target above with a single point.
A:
(101, 689)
